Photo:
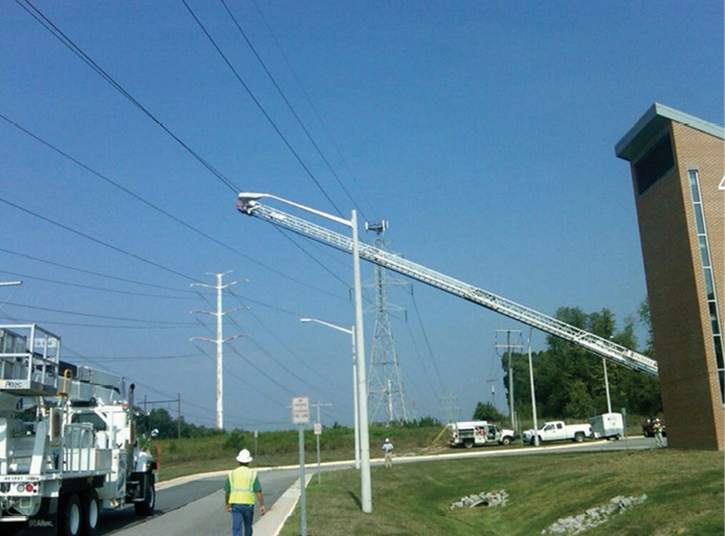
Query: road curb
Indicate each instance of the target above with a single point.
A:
(271, 523)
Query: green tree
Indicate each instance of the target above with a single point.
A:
(570, 380)
(485, 411)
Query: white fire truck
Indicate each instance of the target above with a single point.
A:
(67, 440)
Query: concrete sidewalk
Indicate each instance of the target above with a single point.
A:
(271, 523)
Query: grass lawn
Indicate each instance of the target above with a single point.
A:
(684, 490)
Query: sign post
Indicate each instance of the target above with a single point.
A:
(318, 432)
(300, 417)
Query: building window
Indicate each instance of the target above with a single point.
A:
(654, 165)
(711, 296)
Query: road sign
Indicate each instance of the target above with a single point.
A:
(318, 428)
(300, 410)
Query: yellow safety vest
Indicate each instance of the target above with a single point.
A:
(241, 481)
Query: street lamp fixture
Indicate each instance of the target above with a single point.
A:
(356, 411)
(246, 201)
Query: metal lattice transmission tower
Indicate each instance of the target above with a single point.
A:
(386, 395)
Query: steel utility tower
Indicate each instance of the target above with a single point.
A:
(385, 385)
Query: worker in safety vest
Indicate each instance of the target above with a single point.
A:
(240, 488)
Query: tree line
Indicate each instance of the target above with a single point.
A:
(569, 381)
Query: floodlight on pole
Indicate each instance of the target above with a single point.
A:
(356, 411)
(10, 283)
(366, 495)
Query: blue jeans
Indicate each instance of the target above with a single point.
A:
(242, 515)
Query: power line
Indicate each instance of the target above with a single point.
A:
(261, 108)
(96, 240)
(312, 106)
(99, 274)
(91, 287)
(290, 107)
(153, 206)
(123, 319)
(63, 38)
(36, 320)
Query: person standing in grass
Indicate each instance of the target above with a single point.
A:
(240, 488)
(388, 450)
(657, 429)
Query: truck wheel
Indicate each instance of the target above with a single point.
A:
(578, 437)
(506, 440)
(91, 511)
(69, 516)
(468, 443)
(146, 507)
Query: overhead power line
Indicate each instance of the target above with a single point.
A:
(261, 108)
(68, 42)
(91, 287)
(154, 207)
(99, 274)
(107, 317)
(290, 107)
(96, 240)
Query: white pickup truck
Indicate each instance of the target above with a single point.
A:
(558, 431)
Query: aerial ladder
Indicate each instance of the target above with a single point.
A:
(248, 204)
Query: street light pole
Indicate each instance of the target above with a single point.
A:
(356, 411)
(365, 479)
(533, 393)
(606, 386)
(362, 389)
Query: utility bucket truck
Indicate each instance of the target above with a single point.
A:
(67, 440)
(473, 433)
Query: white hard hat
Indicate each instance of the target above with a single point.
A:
(244, 456)
(387, 440)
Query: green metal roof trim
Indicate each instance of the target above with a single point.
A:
(652, 121)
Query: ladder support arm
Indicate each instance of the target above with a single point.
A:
(589, 341)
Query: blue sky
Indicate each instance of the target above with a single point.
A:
(483, 132)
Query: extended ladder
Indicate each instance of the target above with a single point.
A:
(589, 341)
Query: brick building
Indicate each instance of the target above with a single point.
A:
(677, 167)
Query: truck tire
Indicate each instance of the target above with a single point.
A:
(506, 440)
(91, 510)
(146, 506)
(69, 515)
(579, 437)
(468, 443)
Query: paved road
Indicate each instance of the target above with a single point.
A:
(196, 507)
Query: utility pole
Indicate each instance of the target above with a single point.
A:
(219, 341)
(507, 347)
(318, 433)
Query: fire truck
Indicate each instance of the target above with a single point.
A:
(68, 447)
